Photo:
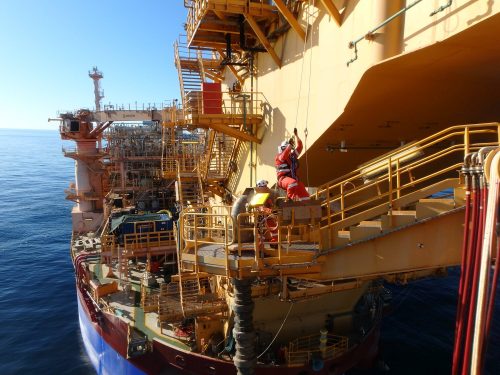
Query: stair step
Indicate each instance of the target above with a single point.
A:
(398, 218)
(360, 233)
(344, 234)
(433, 207)
(403, 213)
(343, 238)
(371, 224)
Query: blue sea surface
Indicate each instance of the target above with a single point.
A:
(38, 306)
(39, 332)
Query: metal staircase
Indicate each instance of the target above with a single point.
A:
(189, 189)
(186, 298)
(190, 80)
(220, 159)
(398, 216)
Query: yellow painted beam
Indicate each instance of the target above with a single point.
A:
(220, 15)
(332, 11)
(231, 68)
(234, 132)
(260, 35)
(290, 18)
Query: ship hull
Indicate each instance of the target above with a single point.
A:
(104, 358)
(105, 340)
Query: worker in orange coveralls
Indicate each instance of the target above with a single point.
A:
(286, 169)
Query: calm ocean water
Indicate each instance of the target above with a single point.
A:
(38, 310)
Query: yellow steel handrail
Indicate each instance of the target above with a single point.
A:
(303, 349)
(382, 179)
(232, 103)
(137, 241)
(428, 141)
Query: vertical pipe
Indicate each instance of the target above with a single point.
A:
(394, 31)
(484, 268)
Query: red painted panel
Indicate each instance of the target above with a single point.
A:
(212, 98)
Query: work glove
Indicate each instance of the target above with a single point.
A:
(291, 141)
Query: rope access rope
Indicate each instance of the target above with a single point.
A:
(306, 132)
(277, 333)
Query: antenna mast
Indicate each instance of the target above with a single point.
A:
(96, 75)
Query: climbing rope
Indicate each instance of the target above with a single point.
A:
(310, 4)
(277, 333)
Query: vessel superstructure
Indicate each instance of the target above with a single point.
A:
(171, 238)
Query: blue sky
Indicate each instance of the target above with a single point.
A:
(47, 48)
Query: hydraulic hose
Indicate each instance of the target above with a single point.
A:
(463, 265)
(474, 270)
(466, 292)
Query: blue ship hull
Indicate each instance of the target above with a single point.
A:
(104, 358)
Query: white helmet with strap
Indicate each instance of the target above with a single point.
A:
(282, 146)
(262, 183)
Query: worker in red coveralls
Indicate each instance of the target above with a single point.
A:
(286, 169)
(271, 225)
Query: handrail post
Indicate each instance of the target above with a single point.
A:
(256, 237)
(195, 244)
(389, 171)
(238, 229)
(466, 141)
(398, 180)
(342, 213)
(226, 247)
(328, 210)
(279, 237)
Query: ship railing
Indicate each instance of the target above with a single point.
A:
(73, 151)
(179, 164)
(197, 9)
(136, 106)
(274, 239)
(194, 300)
(139, 241)
(135, 241)
(171, 115)
(193, 53)
(241, 105)
(207, 224)
(304, 349)
(285, 227)
(401, 177)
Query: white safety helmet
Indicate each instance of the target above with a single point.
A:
(262, 183)
(282, 146)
